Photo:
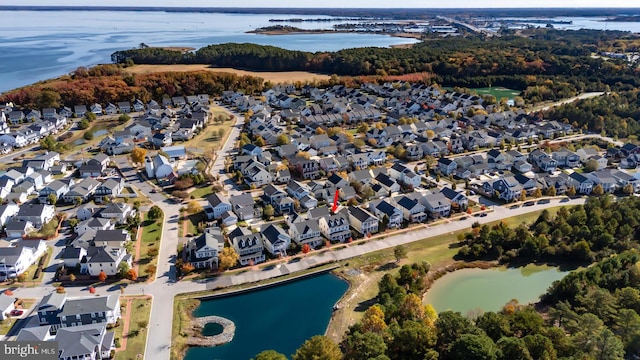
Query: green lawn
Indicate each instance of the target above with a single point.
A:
(47, 229)
(192, 222)
(498, 92)
(200, 193)
(137, 336)
(151, 236)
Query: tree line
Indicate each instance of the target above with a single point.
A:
(112, 83)
(582, 234)
(547, 64)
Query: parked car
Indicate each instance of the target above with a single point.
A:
(16, 312)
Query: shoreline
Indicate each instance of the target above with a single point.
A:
(326, 31)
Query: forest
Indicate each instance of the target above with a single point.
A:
(593, 313)
(615, 114)
(582, 234)
(546, 64)
(112, 83)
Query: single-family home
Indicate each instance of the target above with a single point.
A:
(457, 198)
(109, 189)
(506, 188)
(447, 166)
(249, 248)
(412, 210)
(386, 213)
(107, 259)
(37, 214)
(436, 204)
(581, 183)
(7, 211)
(15, 260)
(219, 204)
(335, 227)
(306, 232)
(276, 240)
(362, 220)
(81, 191)
(203, 251)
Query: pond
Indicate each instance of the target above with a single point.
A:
(490, 289)
(279, 318)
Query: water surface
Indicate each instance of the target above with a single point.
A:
(490, 289)
(279, 318)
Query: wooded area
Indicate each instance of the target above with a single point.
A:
(593, 313)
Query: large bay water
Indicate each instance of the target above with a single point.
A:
(490, 289)
(38, 45)
(279, 318)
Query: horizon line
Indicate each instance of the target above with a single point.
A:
(302, 8)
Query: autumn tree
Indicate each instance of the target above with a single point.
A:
(150, 270)
(228, 258)
(318, 347)
(194, 207)
(138, 155)
(306, 248)
(597, 190)
(571, 191)
(270, 355)
(102, 276)
(132, 275)
(268, 211)
(551, 191)
(373, 320)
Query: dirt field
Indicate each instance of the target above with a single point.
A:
(274, 77)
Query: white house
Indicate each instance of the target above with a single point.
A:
(107, 259)
(159, 167)
(276, 240)
(219, 204)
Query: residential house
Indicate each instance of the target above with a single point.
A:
(412, 210)
(528, 184)
(457, 199)
(111, 238)
(276, 240)
(161, 139)
(581, 183)
(219, 204)
(7, 211)
(202, 252)
(109, 189)
(305, 168)
(403, 175)
(390, 185)
(37, 214)
(15, 229)
(436, 204)
(386, 212)
(249, 248)
(497, 160)
(335, 227)
(602, 162)
(447, 166)
(110, 109)
(64, 313)
(364, 177)
(604, 178)
(81, 191)
(543, 160)
(243, 206)
(15, 260)
(91, 341)
(107, 259)
(362, 220)
(72, 256)
(506, 188)
(566, 158)
(96, 109)
(306, 232)
(92, 225)
(92, 168)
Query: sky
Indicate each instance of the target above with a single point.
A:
(337, 3)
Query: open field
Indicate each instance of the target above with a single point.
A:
(273, 76)
(151, 232)
(136, 335)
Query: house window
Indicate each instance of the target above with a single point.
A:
(77, 316)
